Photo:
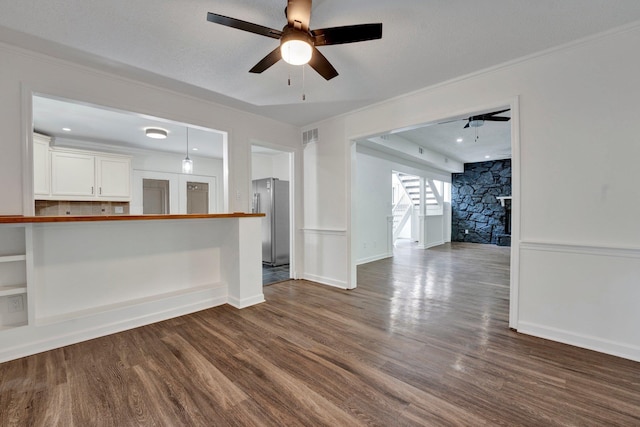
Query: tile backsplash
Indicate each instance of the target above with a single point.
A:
(60, 207)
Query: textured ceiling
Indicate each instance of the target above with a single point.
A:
(170, 43)
(423, 43)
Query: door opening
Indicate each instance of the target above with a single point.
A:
(155, 196)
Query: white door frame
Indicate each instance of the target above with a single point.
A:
(514, 286)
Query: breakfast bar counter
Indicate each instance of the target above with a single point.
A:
(73, 278)
(18, 219)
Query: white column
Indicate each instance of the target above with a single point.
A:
(242, 263)
(422, 235)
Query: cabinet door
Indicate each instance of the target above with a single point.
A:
(41, 168)
(113, 177)
(72, 175)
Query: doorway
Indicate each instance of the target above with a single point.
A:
(401, 147)
(197, 197)
(155, 196)
(272, 189)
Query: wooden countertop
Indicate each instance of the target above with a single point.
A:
(18, 219)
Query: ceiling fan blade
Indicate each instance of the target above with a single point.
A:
(299, 14)
(267, 61)
(466, 126)
(496, 112)
(322, 65)
(496, 119)
(243, 25)
(347, 34)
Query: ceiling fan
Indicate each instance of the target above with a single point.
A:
(298, 44)
(477, 121)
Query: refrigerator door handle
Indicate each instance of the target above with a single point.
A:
(256, 202)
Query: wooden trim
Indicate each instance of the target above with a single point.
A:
(15, 219)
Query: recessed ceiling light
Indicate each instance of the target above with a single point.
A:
(459, 140)
(155, 133)
(66, 129)
(487, 157)
(194, 149)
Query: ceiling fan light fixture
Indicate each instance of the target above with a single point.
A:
(476, 123)
(296, 48)
(296, 52)
(155, 133)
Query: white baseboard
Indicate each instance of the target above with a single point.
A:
(431, 245)
(325, 281)
(374, 258)
(626, 351)
(32, 339)
(246, 302)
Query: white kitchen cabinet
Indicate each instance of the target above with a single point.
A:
(72, 175)
(78, 175)
(41, 165)
(113, 177)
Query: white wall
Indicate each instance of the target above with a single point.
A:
(270, 166)
(374, 195)
(24, 71)
(578, 148)
(27, 71)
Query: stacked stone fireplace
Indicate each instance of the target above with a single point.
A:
(478, 214)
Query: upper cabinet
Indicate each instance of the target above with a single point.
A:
(69, 174)
(41, 165)
(113, 177)
(72, 175)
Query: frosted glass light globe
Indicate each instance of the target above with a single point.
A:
(296, 52)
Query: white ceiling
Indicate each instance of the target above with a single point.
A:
(171, 43)
(491, 141)
(89, 123)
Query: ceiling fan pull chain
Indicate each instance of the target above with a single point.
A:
(304, 97)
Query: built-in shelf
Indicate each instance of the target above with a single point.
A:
(12, 258)
(5, 291)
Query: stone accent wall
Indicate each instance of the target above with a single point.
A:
(474, 206)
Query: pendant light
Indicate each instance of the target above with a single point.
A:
(187, 163)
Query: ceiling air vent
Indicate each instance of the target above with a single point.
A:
(310, 135)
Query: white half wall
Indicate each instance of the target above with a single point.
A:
(89, 279)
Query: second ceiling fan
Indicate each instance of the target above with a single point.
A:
(477, 121)
(298, 43)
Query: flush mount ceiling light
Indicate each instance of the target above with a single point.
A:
(155, 133)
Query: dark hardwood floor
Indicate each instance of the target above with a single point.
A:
(423, 340)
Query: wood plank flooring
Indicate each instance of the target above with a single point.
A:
(423, 340)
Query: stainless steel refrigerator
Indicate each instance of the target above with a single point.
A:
(271, 197)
